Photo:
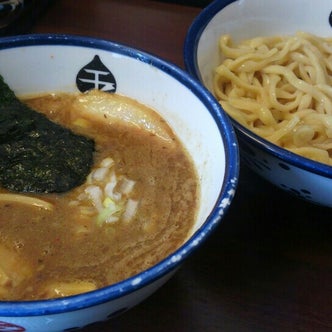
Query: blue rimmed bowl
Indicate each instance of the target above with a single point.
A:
(244, 19)
(49, 63)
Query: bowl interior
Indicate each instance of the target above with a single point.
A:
(43, 64)
(244, 19)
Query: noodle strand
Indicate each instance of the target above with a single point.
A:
(280, 87)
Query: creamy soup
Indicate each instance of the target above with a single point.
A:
(137, 206)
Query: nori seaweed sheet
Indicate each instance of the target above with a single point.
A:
(36, 154)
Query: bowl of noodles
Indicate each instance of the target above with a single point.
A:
(270, 67)
(102, 177)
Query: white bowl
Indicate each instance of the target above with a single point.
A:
(48, 63)
(244, 19)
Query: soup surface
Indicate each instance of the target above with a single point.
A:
(137, 206)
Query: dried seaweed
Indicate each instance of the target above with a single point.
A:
(36, 154)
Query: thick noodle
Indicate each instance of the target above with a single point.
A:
(280, 87)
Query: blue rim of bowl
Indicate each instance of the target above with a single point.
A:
(170, 263)
(190, 60)
(194, 33)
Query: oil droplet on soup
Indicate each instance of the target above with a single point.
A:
(137, 206)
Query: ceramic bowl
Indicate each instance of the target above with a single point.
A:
(244, 19)
(33, 64)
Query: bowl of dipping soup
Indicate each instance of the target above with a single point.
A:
(116, 166)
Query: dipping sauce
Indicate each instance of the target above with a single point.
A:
(137, 206)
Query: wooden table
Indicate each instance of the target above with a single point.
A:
(268, 266)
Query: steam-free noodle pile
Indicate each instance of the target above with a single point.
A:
(280, 87)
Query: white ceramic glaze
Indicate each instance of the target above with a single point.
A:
(49, 63)
(244, 19)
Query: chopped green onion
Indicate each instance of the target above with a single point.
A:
(111, 212)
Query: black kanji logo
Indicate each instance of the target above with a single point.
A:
(95, 75)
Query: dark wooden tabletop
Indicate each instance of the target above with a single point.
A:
(268, 266)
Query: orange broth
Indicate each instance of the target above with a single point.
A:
(52, 253)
